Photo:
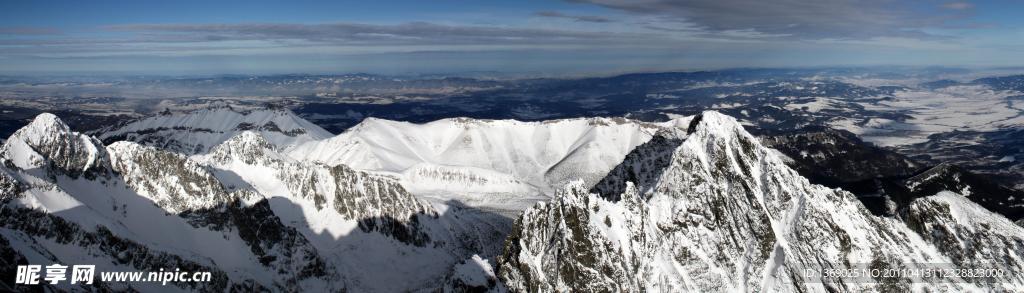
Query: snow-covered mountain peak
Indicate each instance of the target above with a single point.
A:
(713, 124)
(718, 211)
(250, 139)
(198, 131)
(714, 134)
(49, 142)
(47, 122)
(249, 147)
(707, 136)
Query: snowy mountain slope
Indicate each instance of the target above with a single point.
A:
(346, 212)
(254, 218)
(136, 211)
(343, 192)
(197, 131)
(465, 156)
(724, 213)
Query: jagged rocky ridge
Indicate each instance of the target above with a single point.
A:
(254, 218)
(120, 214)
(726, 214)
(380, 203)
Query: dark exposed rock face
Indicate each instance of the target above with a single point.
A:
(836, 157)
(885, 181)
(642, 166)
(275, 244)
(839, 159)
(9, 187)
(174, 182)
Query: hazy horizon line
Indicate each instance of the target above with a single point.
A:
(484, 73)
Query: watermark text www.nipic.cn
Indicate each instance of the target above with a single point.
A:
(85, 274)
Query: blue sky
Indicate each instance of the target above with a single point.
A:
(527, 37)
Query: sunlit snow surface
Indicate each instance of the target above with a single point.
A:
(499, 164)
